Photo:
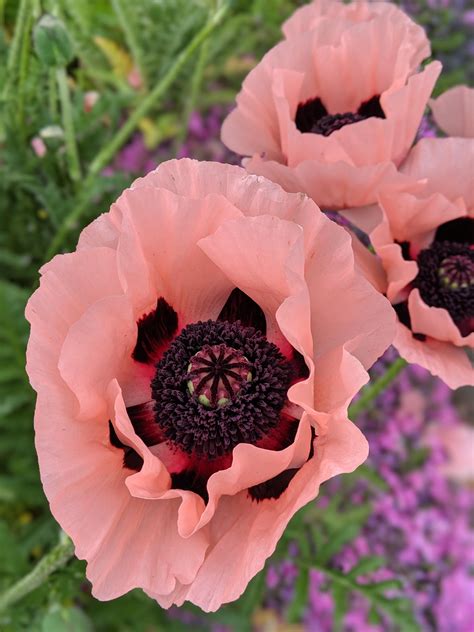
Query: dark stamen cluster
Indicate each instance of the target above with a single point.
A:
(313, 116)
(332, 122)
(446, 278)
(253, 404)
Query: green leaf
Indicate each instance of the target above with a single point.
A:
(367, 565)
(343, 531)
(66, 620)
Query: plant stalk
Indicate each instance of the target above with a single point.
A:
(194, 92)
(54, 560)
(14, 53)
(125, 20)
(68, 125)
(372, 391)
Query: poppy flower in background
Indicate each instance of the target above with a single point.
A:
(332, 111)
(424, 237)
(194, 359)
(453, 111)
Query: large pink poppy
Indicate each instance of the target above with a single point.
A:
(424, 237)
(333, 110)
(453, 111)
(194, 360)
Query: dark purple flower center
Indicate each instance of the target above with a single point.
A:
(216, 384)
(219, 384)
(312, 116)
(446, 279)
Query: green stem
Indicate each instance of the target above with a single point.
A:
(104, 157)
(15, 49)
(193, 94)
(16, 53)
(76, 10)
(122, 135)
(125, 21)
(2, 14)
(52, 96)
(68, 125)
(24, 59)
(373, 390)
(55, 559)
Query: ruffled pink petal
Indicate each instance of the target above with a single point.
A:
(369, 59)
(375, 220)
(404, 108)
(413, 216)
(310, 16)
(154, 563)
(84, 480)
(453, 111)
(435, 322)
(64, 295)
(369, 265)
(348, 376)
(441, 359)
(97, 348)
(152, 482)
(447, 165)
(253, 126)
(242, 474)
(348, 315)
(264, 257)
(245, 533)
(325, 15)
(161, 249)
(400, 272)
(331, 186)
(153, 474)
(253, 195)
(103, 231)
(346, 310)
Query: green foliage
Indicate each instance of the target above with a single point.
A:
(398, 609)
(20, 478)
(320, 534)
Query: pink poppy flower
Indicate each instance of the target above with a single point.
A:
(453, 111)
(424, 237)
(194, 360)
(332, 111)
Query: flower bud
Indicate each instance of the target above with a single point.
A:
(52, 42)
